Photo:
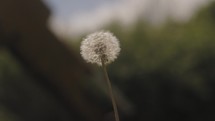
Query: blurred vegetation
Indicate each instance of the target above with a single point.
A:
(23, 96)
(167, 71)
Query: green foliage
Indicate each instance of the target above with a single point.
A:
(161, 66)
(175, 48)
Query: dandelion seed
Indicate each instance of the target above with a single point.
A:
(100, 45)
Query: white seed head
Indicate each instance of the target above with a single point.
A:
(100, 46)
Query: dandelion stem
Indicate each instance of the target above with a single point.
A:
(110, 90)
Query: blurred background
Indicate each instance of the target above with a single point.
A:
(165, 70)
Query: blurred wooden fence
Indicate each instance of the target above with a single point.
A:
(23, 29)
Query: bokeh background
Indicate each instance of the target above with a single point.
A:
(165, 70)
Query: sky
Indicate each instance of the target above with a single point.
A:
(72, 18)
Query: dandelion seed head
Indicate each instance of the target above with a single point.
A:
(100, 45)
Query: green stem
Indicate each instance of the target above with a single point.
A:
(110, 90)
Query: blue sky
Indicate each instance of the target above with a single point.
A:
(66, 8)
(71, 18)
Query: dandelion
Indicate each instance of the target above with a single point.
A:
(102, 48)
